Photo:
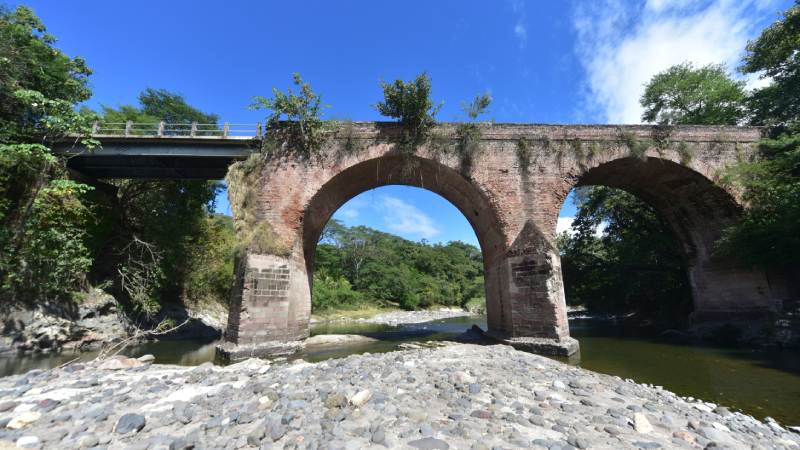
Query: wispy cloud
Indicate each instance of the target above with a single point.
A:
(520, 28)
(565, 224)
(402, 217)
(621, 46)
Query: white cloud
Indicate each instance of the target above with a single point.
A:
(621, 46)
(520, 30)
(402, 217)
(565, 224)
(348, 213)
(521, 33)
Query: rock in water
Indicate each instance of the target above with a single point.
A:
(641, 424)
(130, 423)
(146, 358)
(119, 363)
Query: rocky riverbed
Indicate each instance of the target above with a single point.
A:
(456, 396)
(407, 317)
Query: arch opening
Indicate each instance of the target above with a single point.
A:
(431, 176)
(693, 209)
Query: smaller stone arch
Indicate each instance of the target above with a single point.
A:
(697, 210)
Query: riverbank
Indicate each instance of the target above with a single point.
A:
(458, 396)
(392, 317)
(98, 321)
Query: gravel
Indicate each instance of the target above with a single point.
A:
(451, 397)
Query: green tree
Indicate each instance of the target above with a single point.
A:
(635, 264)
(769, 231)
(43, 243)
(294, 119)
(171, 217)
(685, 94)
(410, 103)
(388, 270)
(776, 54)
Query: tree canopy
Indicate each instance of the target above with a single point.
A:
(685, 94)
(361, 265)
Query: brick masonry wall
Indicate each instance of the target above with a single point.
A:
(511, 194)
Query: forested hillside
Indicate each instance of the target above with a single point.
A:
(360, 266)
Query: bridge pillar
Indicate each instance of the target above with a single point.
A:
(531, 280)
(270, 307)
(724, 290)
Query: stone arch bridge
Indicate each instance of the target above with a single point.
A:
(510, 187)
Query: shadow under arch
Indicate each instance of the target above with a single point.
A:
(428, 174)
(697, 210)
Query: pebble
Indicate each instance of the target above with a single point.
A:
(453, 396)
(128, 423)
(24, 419)
(641, 424)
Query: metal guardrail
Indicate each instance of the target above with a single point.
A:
(164, 129)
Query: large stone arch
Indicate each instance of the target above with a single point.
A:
(425, 173)
(511, 192)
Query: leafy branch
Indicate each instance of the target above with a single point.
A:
(295, 120)
(410, 103)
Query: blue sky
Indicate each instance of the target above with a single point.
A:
(582, 61)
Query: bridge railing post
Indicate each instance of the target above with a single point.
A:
(193, 132)
(128, 127)
(96, 127)
(161, 129)
(225, 129)
(258, 130)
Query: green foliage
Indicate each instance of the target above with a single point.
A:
(477, 106)
(774, 54)
(634, 265)
(210, 275)
(334, 293)
(476, 305)
(524, 154)
(43, 241)
(637, 148)
(52, 256)
(385, 269)
(294, 120)
(157, 230)
(469, 133)
(769, 231)
(685, 94)
(172, 108)
(410, 103)
(685, 153)
(31, 68)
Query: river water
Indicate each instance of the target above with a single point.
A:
(757, 382)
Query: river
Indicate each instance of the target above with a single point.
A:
(757, 382)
